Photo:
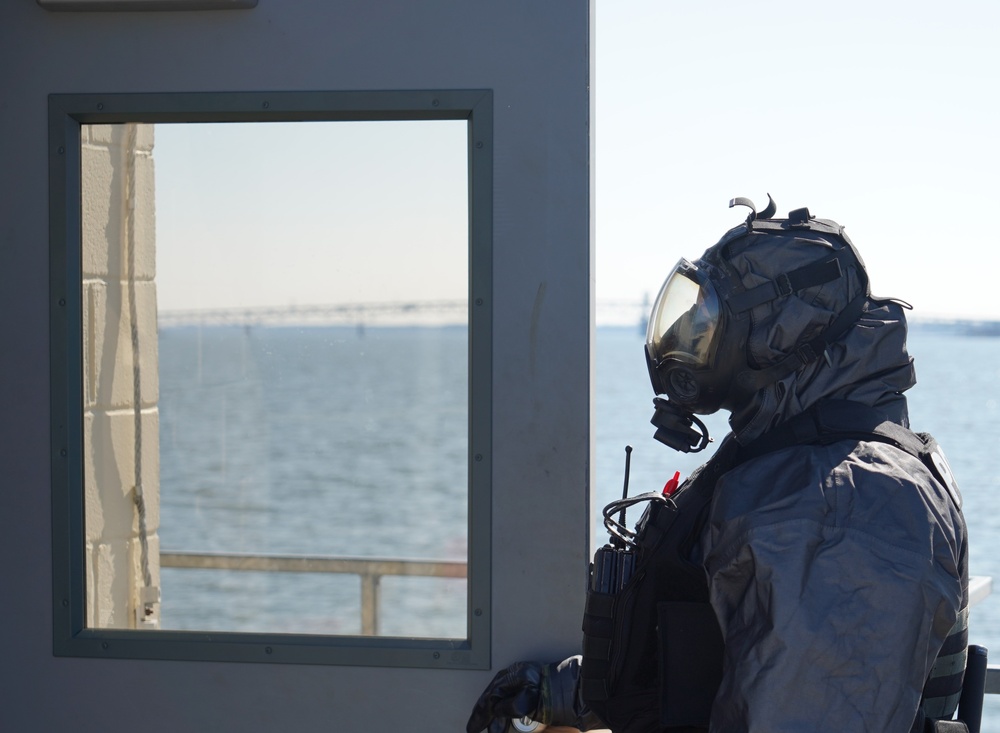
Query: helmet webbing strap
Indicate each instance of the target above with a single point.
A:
(807, 351)
(816, 273)
(807, 276)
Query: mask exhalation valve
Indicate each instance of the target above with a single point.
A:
(675, 427)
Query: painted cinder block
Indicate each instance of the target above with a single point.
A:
(111, 585)
(105, 201)
(100, 213)
(145, 217)
(118, 270)
(137, 580)
(109, 474)
(107, 345)
(90, 607)
(116, 579)
(116, 135)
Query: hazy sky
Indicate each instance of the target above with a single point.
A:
(284, 214)
(880, 115)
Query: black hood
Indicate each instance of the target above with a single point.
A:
(867, 362)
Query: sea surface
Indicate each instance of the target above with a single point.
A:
(318, 441)
(339, 442)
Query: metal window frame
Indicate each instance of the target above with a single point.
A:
(71, 637)
(60, 6)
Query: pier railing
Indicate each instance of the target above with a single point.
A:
(370, 570)
(980, 587)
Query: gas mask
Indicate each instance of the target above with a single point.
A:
(691, 355)
(700, 325)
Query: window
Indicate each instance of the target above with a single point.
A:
(270, 365)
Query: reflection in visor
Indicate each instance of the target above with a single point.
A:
(685, 318)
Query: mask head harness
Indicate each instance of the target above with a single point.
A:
(696, 341)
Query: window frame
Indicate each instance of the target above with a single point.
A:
(71, 636)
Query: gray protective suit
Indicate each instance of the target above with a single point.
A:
(835, 571)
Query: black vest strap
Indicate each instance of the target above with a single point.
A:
(830, 421)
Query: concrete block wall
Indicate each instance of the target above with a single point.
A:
(118, 206)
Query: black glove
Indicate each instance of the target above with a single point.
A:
(546, 693)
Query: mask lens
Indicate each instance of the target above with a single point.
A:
(685, 318)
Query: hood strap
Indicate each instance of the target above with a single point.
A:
(754, 380)
(816, 273)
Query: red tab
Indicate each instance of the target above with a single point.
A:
(671, 486)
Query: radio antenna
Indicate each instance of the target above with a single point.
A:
(628, 463)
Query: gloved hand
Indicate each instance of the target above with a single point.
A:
(546, 693)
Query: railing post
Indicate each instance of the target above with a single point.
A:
(370, 583)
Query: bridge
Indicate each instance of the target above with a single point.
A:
(421, 312)
(427, 312)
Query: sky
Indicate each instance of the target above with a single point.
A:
(281, 214)
(880, 115)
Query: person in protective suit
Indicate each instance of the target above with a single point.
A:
(833, 560)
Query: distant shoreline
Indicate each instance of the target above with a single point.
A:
(959, 326)
(965, 327)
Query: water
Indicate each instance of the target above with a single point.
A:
(327, 441)
(321, 441)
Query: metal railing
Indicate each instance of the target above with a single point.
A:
(370, 570)
(980, 588)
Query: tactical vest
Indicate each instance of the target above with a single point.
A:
(652, 648)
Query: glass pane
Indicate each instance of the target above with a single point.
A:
(292, 403)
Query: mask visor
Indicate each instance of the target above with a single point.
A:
(684, 323)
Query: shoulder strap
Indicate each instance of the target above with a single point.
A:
(830, 421)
